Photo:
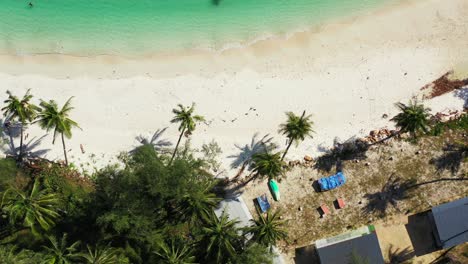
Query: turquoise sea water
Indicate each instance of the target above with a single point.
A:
(138, 27)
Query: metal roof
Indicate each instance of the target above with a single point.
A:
(451, 221)
(365, 246)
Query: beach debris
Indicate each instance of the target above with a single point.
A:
(300, 208)
(378, 135)
(418, 152)
(391, 158)
(448, 116)
(308, 158)
(367, 164)
(384, 116)
(444, 85)
(82, 149)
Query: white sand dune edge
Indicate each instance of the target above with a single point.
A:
(347, 76)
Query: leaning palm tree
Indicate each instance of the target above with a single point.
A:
(197, 207)
(296, 129)
(101, 255)
(221, 238)
(174, 253)
(413, 118)
(58, 120)
(267, 164)
(187, 120)
(59, 252)
(21, 110)
(268, 230)
(36, 210)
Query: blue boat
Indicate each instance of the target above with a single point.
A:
(332, 182)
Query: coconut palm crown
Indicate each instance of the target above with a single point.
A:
(296, 129)
(268, 164)
(36, 210)
(21, 110)
(269, 229)
(53, 118)
(221, 238)
(59, 252)
(187, 122)
(174, 253)
(413, 118)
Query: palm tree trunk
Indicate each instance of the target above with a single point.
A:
(178, 142)
(21, 142)
(287, 149)
(64, 150)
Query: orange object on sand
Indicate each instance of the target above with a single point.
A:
(341, 203)
(324, 209)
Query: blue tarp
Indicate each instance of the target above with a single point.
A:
(332, 182)
(263, 203)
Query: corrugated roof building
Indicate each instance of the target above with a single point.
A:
(450, 223)
(361, 243)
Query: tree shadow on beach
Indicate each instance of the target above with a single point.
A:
(159, 144)
(463, 94)
(31, 148)
(398, 255)
(454, 155)
(394, 190)
(243, 160)
(9, 131)
(351, 149)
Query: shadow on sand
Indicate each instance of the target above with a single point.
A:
(243, 160)
(306, 255)
(454, 155)
(351, 149)
(159, 144)
(420, 232)
(31, 147)
(398, 255)
(463, 94)
(394, 190)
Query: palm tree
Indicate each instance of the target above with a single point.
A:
(59, 252)
(101, 255)
(184, 116)
(413, 118)
(174, 253)
(296, 129)
(267, 164)
(268, 230)
(198, 206)
(11, 255)
(22, 110)
(221, 238)
(36, 210)
(58, 120)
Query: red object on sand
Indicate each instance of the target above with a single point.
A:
(341, 203)
(324, 209)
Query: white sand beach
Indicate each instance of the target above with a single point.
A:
(347, 74)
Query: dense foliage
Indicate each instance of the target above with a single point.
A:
(152, 207)
(143, 211)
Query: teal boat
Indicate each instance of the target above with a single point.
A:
(274, 189)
